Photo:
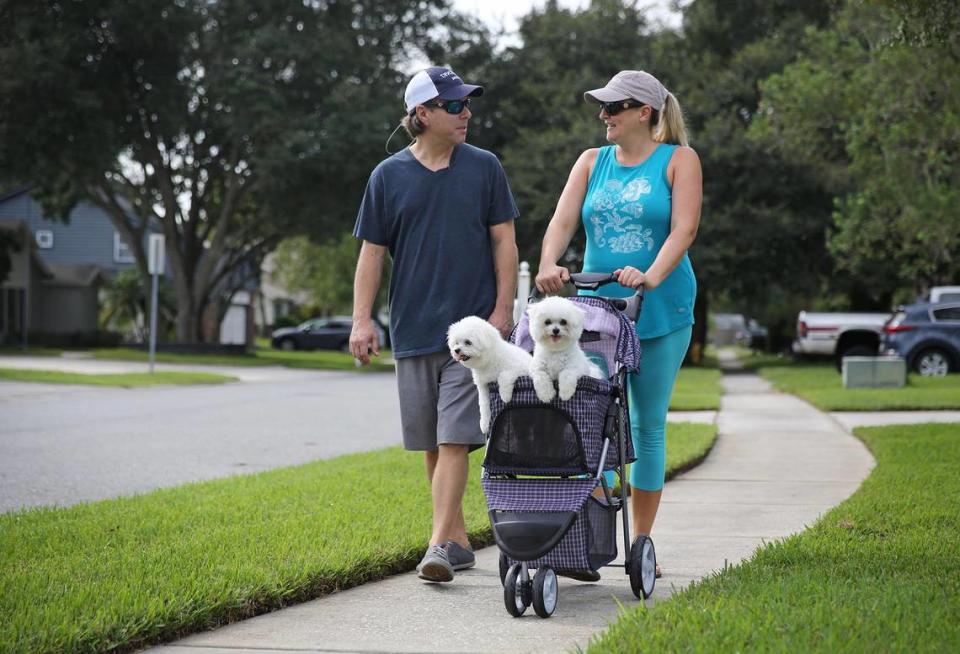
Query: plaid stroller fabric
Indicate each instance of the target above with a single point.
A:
(563, 437)
(543, 459)
(590, 541)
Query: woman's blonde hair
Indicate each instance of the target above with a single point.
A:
(668, 125)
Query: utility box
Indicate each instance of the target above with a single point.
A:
(874, 372)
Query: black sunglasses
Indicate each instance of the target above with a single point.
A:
(450, 106)
(613, 108)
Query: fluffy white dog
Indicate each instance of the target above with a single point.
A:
(477, 344)
(555, 326)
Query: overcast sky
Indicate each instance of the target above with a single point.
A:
(506, 13)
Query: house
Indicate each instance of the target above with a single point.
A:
(52, 291)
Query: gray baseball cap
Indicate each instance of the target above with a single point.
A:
(628, 84)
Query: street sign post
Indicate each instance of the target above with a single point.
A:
(155, 266)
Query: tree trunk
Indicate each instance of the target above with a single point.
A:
(698, 337)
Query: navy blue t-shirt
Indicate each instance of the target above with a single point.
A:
(436, 225)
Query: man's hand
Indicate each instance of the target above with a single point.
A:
(502, 320)
(364, 340)
(550, 279)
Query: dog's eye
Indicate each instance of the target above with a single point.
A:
(563, 322)
(467, 343)
(548, 322)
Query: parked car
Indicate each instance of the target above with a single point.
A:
(926, 335)
(331, 333)
(944, 294)
(839, 335)
(729, 329)
(759, 335)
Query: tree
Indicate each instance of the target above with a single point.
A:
(323, 272)
(886, 134)
(534, 116)
(125, 305)
(230, 124)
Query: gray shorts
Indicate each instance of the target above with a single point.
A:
(438, 403)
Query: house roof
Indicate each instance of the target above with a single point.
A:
(75, 274)
(12, 193)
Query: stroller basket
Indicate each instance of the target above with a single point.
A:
(552, 522)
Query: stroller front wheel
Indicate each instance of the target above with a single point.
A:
(643, 567)
(514, 596)
(545, 591)
(504, 567)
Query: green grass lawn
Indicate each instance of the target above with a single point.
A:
(125, 380)
(879, 573)
(822, 386)
(697, 388)
(318, 359)
(118, 574)
(11, 350)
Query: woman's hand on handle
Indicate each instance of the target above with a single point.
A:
(550, 279)
(632, 278)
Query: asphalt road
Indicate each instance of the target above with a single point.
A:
(61, 445)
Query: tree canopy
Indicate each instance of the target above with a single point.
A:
(227, 124)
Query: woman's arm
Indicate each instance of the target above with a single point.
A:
(563, 225)
(687, 183)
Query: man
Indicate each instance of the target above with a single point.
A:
(444, 211)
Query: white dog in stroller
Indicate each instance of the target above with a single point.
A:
(556, 325)
(477, 344)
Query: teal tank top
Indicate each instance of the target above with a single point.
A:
(626, 216)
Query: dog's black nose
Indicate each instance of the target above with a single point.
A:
(556, 330)
(456, 350)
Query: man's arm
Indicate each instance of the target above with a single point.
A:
(363, 337)
(503, 239)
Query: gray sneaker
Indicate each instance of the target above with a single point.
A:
(460, 557)
(435, 565)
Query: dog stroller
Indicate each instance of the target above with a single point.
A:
(543, 462)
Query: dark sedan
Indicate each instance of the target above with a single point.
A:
(926, 335)
(318, 334)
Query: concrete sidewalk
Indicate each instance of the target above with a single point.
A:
(777, 465)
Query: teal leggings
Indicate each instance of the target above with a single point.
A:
(649, 399)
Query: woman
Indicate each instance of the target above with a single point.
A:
(639, 200)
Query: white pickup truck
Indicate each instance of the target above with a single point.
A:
(839, 334)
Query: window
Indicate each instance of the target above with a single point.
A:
(121, 251)
(44, 239)
(947, 313)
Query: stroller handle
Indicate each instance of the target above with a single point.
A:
(591, 281)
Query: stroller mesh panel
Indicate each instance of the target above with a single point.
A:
(535, 437)
(528, 436)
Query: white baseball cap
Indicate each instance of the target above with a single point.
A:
(437, 82)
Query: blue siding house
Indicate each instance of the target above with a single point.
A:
(55, 281)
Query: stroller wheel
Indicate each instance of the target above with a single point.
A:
(513, 597)
(504, 566)
(643, 567)
(545, 592)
